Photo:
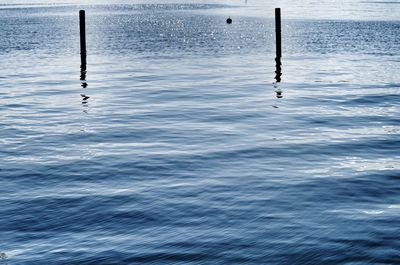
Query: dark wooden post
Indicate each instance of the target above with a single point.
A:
(278, 33)
(278, 38)
(82, 28)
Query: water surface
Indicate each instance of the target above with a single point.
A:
(182, 153)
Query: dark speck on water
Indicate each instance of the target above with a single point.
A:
(183, 150)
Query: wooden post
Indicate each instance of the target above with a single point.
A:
(278, 32)
(82, 28)
(278, 38)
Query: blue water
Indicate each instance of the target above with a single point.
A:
(183, 153)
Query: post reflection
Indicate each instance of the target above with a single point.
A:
(83, 76)
(84, 84)
(278, 74)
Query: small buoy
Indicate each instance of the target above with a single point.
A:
(229, 20)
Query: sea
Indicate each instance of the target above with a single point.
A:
(177, 145)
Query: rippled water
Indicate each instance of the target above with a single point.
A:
(183, 154)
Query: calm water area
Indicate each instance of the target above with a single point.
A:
(174, 147)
